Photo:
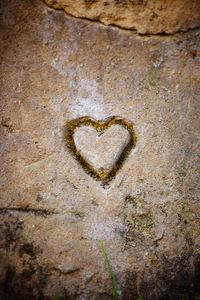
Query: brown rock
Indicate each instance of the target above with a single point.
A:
(103, 149)
(56, 69)
(144, 16)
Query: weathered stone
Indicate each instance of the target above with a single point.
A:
(101, 150)
(144, 16)
(56, 69)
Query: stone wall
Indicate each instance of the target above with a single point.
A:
(144, 16)
(99, 138)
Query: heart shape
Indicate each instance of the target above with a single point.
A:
(105, 176)
(101, 149)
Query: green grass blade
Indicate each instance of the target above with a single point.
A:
(110, 270)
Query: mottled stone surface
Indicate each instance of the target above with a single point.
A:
(55, 69)
(144, 16)
(101, 150)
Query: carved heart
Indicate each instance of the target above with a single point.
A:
(102, 174)
(101, 149)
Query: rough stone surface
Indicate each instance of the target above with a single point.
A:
(144, 16)
(101, 150)
(54, 69)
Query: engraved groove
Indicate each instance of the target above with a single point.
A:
(100, 126)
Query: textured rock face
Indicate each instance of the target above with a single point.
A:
(101, 150)
(56, 69)
(144, 16)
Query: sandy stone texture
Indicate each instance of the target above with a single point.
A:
(144, 16)
(55, 69)
(101, 149)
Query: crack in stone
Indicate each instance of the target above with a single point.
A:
(36, 212)
(164, 34)
(70, 271)
(133, 30)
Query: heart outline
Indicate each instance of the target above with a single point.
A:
(100, 126)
